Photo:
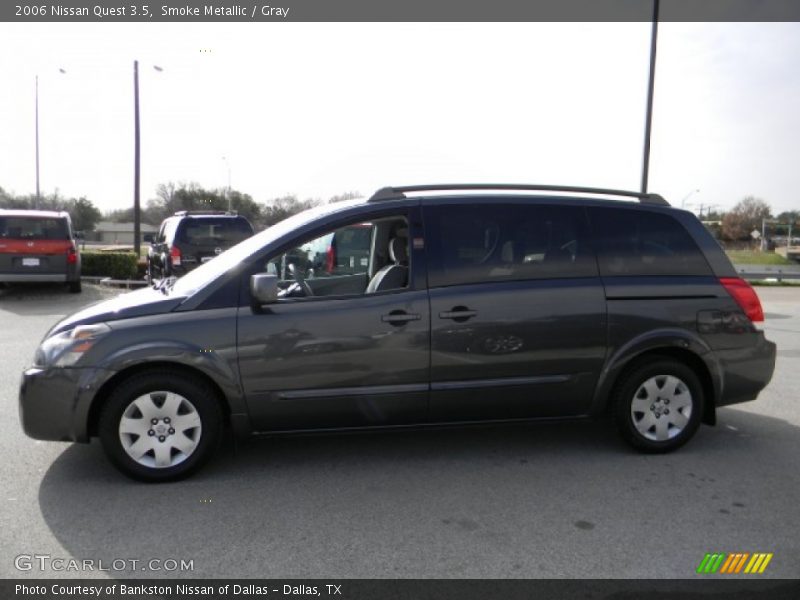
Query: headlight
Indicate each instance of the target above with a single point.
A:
(65, 348)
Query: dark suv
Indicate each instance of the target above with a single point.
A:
(190, 238)
(469, 308)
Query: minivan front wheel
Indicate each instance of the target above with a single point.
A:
(160, 426)
(658, 405)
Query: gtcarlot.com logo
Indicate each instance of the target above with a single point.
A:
(45, 562)
(734, 563)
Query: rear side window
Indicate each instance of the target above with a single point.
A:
(638, 242)
(33, 228)
(214, 231)
(482, 243)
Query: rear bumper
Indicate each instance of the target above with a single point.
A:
(54, 403)
(746, 371)
(33, 277)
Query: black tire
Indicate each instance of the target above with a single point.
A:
(201, 397)
(625, 394)
(75, 287)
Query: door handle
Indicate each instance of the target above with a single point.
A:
(459, 313)
(398, 317)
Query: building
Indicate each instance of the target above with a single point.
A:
(107, 232)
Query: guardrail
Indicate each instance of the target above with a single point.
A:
(127, 283)
(757, 272)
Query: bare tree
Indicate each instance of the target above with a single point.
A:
(747, 215)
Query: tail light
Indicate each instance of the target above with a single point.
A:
(745, 297)
(330, 259)
(175, 255)
(72, 255)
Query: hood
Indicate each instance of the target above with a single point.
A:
(147, 301)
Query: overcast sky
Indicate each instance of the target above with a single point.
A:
(320, 109)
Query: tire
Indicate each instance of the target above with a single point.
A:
(658, 404)
(184, 431)
(75, 287)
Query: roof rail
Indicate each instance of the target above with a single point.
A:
(396, 193)
(188, 213)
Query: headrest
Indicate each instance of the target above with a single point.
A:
(398, 250)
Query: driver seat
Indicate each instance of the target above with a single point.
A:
(395, 274)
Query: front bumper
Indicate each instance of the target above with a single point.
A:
(54, 402)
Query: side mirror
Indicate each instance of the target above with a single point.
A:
(148, 238)
(264, 288)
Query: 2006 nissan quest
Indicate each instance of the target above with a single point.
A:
(468, 307)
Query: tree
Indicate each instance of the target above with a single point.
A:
(120, 215)
(278, 209)
(345, 196)
(745, 217)
(788, 216)
(171, 198)
(84, 214)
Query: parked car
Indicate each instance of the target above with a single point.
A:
(38, 245)
(189, 238)
(341, 252)
(470, 308)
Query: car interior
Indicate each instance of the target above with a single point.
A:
(385, 269)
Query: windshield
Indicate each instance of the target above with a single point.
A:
(208, 272)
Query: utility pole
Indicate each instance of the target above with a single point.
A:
(136, 162)
(651, 85)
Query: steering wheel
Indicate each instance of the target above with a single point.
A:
(300, 280)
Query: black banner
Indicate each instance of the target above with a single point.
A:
(387, 589)
(405, 10)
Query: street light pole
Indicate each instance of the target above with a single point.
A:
(38, 192)
(137, 220)
(38, 196)
(686, 197)
(228, 192)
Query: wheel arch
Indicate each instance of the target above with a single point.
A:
(105, 390)
(692, 352)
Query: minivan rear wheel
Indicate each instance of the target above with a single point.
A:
(658, 405)
(160, 426)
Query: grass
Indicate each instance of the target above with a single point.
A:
(775, 283)
(751, 257)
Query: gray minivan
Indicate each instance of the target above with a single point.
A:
(503, 305)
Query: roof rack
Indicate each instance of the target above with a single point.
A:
(189, 213)
(396, 193)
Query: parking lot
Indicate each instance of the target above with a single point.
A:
(541, 500)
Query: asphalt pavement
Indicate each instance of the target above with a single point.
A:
(522, 501)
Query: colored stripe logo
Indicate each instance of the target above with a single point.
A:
(734, 563)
